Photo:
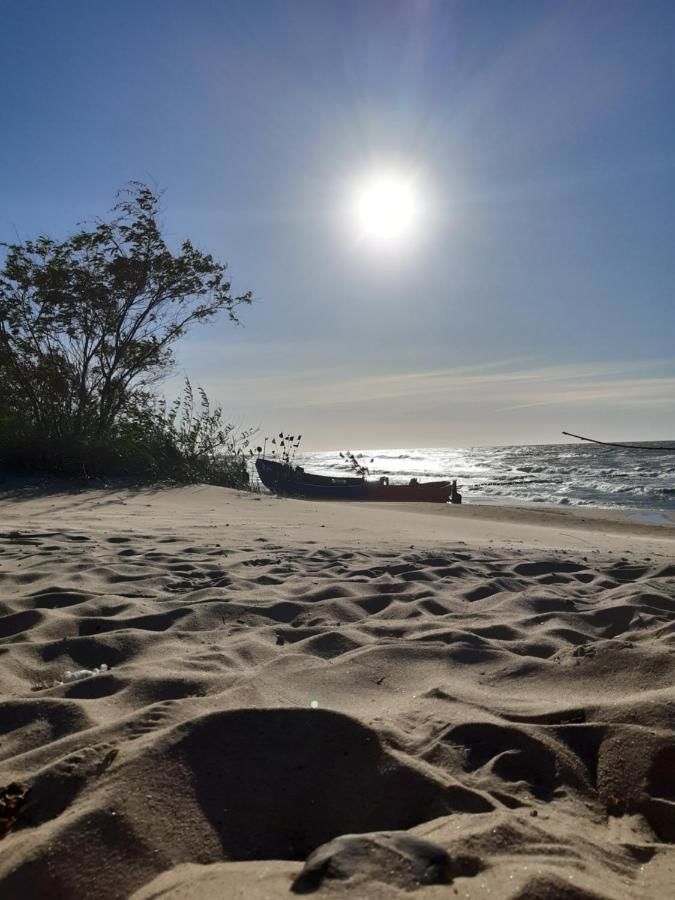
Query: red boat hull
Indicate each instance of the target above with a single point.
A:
(429, 492)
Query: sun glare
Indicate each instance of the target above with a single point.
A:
(387, 208)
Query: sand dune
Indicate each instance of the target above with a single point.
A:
(485, 698)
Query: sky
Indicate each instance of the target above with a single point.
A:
(535, 291)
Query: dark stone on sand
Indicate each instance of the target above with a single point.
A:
(550, 886)
(392, 857)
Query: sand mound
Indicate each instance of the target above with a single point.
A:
(245, 784)
(499, 718)
(273, 783)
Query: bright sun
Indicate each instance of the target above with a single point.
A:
(387, 208)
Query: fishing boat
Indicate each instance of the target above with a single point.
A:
(293, 481)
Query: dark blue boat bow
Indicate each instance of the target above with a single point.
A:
(293, 481)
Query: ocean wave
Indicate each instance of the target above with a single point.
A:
(555, 474)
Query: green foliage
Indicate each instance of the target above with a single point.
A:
(184, 443)
(188, 442)
(87, 327)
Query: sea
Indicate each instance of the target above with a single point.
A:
(581, 474)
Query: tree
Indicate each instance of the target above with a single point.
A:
(87, 325)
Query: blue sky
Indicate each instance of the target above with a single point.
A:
(539, 293)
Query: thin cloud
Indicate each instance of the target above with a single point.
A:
(501, 401)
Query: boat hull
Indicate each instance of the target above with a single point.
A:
(294, 482)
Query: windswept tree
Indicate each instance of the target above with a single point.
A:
(88, 324)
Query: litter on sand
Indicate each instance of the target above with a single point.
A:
(79, 674)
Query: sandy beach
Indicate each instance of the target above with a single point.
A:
(482, 697)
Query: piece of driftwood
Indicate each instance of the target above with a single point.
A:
(625, 446)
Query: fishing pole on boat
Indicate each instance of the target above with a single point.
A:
(624, 446)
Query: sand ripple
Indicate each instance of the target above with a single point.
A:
(513, 712)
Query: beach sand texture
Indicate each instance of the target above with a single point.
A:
(484, 696)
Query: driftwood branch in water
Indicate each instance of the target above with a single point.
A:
(625, 446)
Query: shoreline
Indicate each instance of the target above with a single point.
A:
(208, 506)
